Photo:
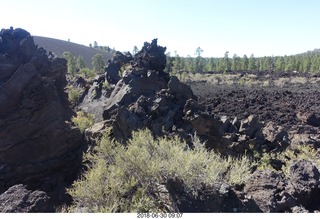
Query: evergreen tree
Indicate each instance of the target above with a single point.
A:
(176, 68)
(98, 63)
(245, 63)
(211, 65)
(227, 64)
(268, 63)
(80, 63)
(199, 64)
(236, 65)
(169, 63)
(315, 65)
(71, 62)
(306, 64)
(190, 64)
(135, 50)
(290, 64)
(95, 44)
(280, 64)
(252, 63)
(199, 51)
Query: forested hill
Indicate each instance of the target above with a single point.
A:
(308, 62)
(57, 47)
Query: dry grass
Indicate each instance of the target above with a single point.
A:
(250, 80)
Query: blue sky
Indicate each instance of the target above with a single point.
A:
(259, 27)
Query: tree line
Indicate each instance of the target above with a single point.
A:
(103, 48)
(308, 62)
(78, 66)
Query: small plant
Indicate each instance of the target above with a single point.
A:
(240, 170)
(302, 153)
(106, 85)
(87, 73)
(73, 95)
(264, 162)
(83, 120)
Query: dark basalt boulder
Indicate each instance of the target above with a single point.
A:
(146, 97)
(18, 199)
(38, 144)
(151, 57)
(267, 189)
(304, 183)
(114, 65)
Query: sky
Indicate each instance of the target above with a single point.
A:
(259, 27)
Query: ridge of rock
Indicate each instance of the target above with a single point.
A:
(38, 145)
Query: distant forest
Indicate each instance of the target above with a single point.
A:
(308, 62)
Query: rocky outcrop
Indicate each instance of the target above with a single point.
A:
(114, 66)
(303, 183)
(146, 97)
(18, 199)
(38, 145)
(309, 118)
(268, 191)
(298, 192)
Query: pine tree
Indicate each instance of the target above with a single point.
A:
(71, 62)
(98, 63)
(95, 44)
(135, 50)
(279, 64)
(80, 63)
(252, 63)
(235, 63)
(169, 63)
(176, 68)
(245, 63)
(306, 64)
(227, 64)
(199, 64)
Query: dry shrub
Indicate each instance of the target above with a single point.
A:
(123, 178)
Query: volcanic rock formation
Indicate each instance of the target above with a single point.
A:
(148, 97)
(38, 146)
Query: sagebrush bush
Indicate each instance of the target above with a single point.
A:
(240, 170)
(303, 152)
(73, 95)
(122, 178)
(287, 157)
(83, 120)
(87, 73)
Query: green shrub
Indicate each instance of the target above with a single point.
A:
(106, 85)
(87, 73)
(123, 178)
(240, 170)
(303, 152)
(73, 95)
(287, 157)
(83, 120)
(264, 161)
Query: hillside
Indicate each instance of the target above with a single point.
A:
(59, 46)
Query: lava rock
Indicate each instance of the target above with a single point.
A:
(18, 199)
(267, 189)
(38, 144)
(304, 182)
